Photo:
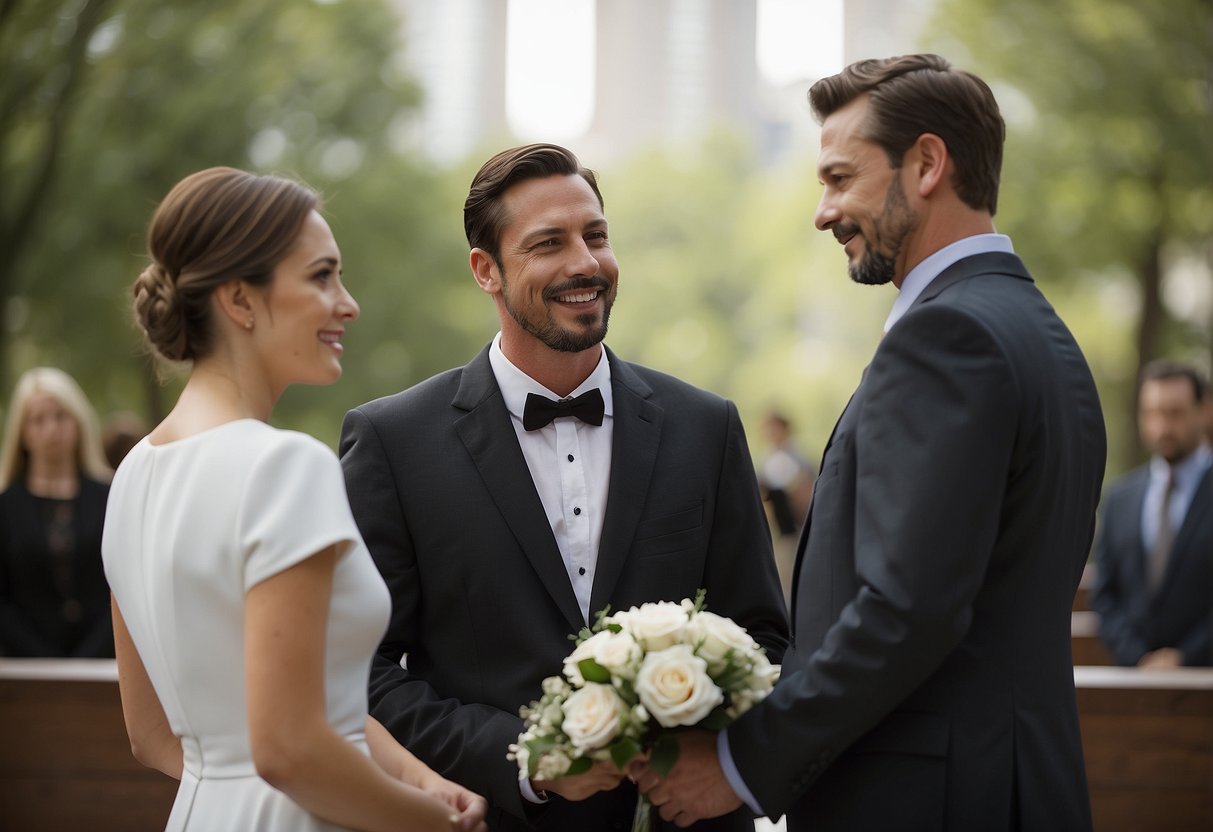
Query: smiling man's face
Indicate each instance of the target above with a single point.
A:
(863, 201)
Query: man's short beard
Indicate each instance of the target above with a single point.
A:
(551, 334)
(894, 224)
(873, 269)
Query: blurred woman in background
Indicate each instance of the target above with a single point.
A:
(54, 601)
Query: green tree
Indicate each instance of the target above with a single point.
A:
(1108, 182)
(107, 103)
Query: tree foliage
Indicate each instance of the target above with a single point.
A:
(107, 103)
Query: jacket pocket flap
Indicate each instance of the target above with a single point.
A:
(681, 521)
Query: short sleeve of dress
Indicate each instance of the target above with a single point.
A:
(294, 506)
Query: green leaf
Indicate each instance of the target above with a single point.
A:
(717, 720)
(592, 671)
(579, 766)
(623, 751)
(665, 754)
(600, 616)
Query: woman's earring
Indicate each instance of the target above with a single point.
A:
(249, 324)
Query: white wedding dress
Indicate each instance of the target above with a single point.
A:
(191, 526)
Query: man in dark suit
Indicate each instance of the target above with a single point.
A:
(508, 501)
(929, 681)
(1154, 553)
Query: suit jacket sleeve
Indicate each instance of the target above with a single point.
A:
(934, 433)
(464, 742)
(740, 563)
(1110, 598)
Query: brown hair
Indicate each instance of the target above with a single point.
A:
(1163, 370)
(483, 214)
(916, 94)
(216, 225)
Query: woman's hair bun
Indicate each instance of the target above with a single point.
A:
(160, 313)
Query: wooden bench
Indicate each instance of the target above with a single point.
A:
(65, 760)
(1148, 740)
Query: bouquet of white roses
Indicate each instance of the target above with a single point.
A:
(634, 679)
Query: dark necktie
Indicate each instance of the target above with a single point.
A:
(540, 410)
(1165, 538)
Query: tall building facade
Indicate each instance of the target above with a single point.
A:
(665, 72)
(669, 70)
(456, 49)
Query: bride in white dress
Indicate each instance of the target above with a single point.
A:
(246, 607)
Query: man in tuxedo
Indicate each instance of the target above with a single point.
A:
(508, 501)
(1154, 552)
(929, 681)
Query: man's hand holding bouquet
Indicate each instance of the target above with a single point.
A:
(631, 682)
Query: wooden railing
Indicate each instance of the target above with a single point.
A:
(1148, 740)
(65, 763)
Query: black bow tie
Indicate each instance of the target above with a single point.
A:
(540, 410)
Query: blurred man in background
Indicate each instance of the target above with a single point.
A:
(1154, 554)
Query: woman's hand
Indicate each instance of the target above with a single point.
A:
(471, 807)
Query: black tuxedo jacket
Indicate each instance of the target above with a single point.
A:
(482, 605)
(1133, 619)
(929, 683)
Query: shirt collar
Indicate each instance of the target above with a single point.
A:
(515, 384)
(1187, 471)
(920, 276)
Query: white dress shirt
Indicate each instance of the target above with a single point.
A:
(570, 464)
(933, 266)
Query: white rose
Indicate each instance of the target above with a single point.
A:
(580, 653)
(656, 626)
(763, 674)
(714, 636)
(592, 716)
(618, 653)
(674, 686)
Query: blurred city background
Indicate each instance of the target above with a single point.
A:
(692, 111)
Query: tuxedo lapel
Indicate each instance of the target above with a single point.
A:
(486, 432)
(634, 442)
